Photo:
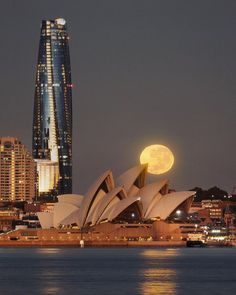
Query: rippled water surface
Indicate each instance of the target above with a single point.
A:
(118, 271)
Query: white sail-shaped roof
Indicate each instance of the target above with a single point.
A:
(114, 211)
(149, 191)
(45, 219)
(110, 200)
(62, 211)
(168, 203)
(105, 202)
(97, 191)
(134, 176)
(71, 199)
(71, 218)
(152, 204)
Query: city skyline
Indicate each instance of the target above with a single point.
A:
(52, 118)
(153, 73)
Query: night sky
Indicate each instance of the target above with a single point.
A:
(144, 72)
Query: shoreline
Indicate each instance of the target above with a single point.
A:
(90, 244)
(64, 238)
(102, 244)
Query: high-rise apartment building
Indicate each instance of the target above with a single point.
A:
(17, 171)
(52, 122)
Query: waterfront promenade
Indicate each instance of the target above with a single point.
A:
(72, 238)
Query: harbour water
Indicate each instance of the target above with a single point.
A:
(130, 271)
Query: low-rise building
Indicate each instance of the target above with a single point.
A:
(7, 218)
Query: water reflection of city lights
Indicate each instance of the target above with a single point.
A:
(158, 281)
(160, 253)
(51, 290)
(158, 276)
(48, 250)
(51, 281)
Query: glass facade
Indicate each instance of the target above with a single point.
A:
(52, 122)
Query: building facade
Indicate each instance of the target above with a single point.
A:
(52, 122)
(17, 171)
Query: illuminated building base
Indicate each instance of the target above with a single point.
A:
(48, 176)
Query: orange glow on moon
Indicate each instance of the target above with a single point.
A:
(159, 158)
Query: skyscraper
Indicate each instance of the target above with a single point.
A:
(17, 171)
(52, 122)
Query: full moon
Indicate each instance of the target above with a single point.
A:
(159, 158)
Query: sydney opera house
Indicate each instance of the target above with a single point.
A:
(125, 200)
